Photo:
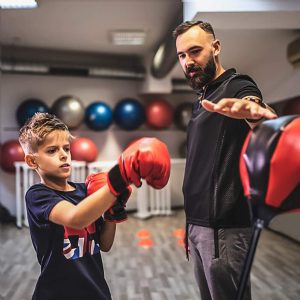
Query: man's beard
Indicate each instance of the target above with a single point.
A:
(202, 76)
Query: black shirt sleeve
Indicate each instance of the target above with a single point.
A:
(40, 201)
(244, 87)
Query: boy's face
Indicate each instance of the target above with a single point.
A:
(53, 157)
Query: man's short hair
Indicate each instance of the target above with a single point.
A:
(185, 26)
(35, 130)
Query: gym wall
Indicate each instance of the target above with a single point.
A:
(110, 143)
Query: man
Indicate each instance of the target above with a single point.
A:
(218, 216)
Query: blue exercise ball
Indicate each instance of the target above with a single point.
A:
(129, 114)
(98, 116)
(28, 108)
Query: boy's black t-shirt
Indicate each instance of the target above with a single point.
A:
(70, 259)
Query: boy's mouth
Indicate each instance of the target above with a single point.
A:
(65, 166)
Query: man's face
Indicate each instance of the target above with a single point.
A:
(196, 55)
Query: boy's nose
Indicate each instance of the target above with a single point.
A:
(63, 154)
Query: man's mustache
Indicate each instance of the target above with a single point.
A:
(194, 69)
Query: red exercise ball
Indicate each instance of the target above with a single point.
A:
(11, 151)
(84, 149)
(159, 114)
(292, 107)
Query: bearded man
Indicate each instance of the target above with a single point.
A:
(218, 217)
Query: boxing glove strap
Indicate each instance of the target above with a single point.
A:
(116, 183)
(116, 214)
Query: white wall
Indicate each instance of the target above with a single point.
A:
(277, 78)
(16, 88)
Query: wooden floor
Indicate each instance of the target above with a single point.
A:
(160, 272)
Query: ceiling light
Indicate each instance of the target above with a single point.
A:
(123, 37)
(17, 4)
(23, 68)
(103, 72)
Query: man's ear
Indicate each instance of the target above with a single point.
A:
(31, 161)
(217, 47)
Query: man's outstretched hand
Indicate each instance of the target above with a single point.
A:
(239, 109)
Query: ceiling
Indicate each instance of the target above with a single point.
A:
(85, 25)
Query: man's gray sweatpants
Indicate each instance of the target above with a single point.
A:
(218, 256)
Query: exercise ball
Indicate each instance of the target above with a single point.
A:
(183, 114)
(70, 110)
(292, 107)
(159, 114)
(129, 114)
(28, 108)
(98, 116)
(84, 149)
(11, 151)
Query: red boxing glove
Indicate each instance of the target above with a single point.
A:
(94, 182)
(116, 213)
(147, 158)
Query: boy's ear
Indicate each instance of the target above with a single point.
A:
(30, 160)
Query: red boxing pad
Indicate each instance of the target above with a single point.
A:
(285, 165)
(270, 165)
(243, 168)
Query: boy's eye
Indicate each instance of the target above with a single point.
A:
(50, 151)
(67, 149)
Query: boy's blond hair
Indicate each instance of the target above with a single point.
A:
(35, 130)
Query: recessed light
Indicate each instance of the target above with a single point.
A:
(23, 68)
(17, 4)
(128, 37)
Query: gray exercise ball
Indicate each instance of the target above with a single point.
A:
(70, 110)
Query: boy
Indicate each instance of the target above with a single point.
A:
(66, 226)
